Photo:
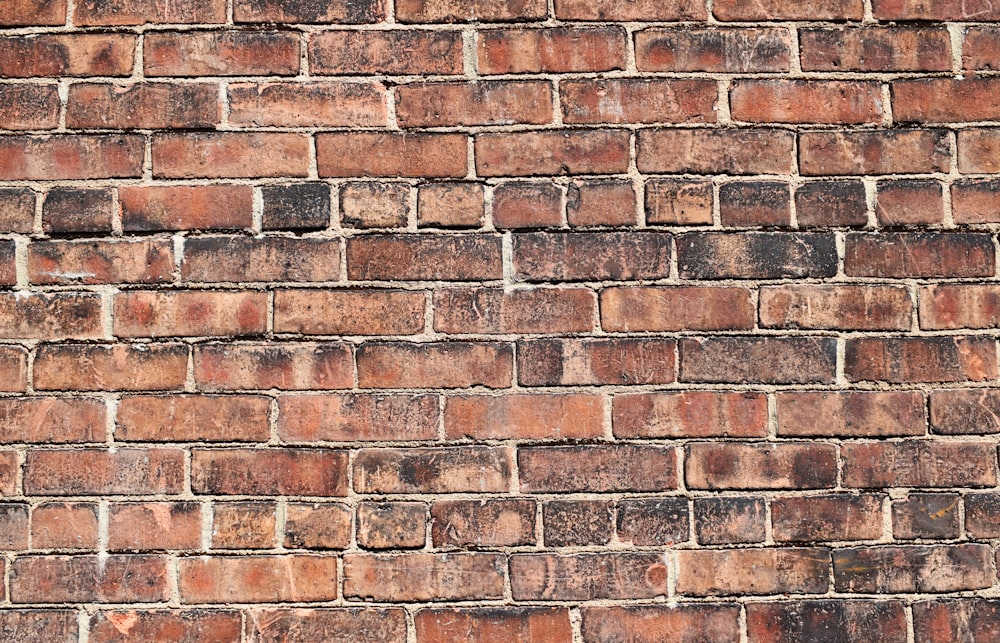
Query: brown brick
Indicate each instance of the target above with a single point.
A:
(919, 254)
(420, 577)
(689, 414)
(926, 515)
(13, 526)
(982, 515)
(495, 311)
(424, 257)
(836, 307)
(40, 626)
(221, 53)
(713, 50)
(71, 156)
(600, 203)
(58, 55)
(703, 151)
(527, 205)
(9, 466)
(946, 100)
(875, 152)
(100, 262)
(401, 51)
(269, 472)
(349, 312)
(139, 526)
(910, 203)
(306, 11)
(851, 413)
(138, 12)
(13, 369)
(766, 255)
(753, 571)
(876, 49)
(389, 154)
(921, 359)
(472, 469)
(729, 520)
(354, 418)
(552, 152)
(143, 106)
(964, 411)
(572, 362)
(758, 203)
(655, 10)
(27, 107)
(242, 259)
(919, 464)
(639, 100)
(628, 309)
(50, 315)
(651, 521)
(317, 526)
(483, 625)
(103, 367)
(70, 210)
(489, 522)
(834, 620)
(8, 258)
(806, 101)
(978, 150)
(524, 417)
(17, 210)
(831, 203)
(230, 154)
(981, 47)
(221, 367)
(296, 206)
(243, 525)
(765, 360)
(570, 523)
(970, 619)
(491, 102)
(392, 525)
(678, 202)
(785, 465)
(974, 201)
(434, 365)
(185, 207)
(315, 104)
(145, 313)
(33, 12)
(581, 577)
(912, 568)
(89, 579)
(591, 256)
(737, 10)
(470, 10)
(184, 626)
(653, 624)
(100, 472)
(280, 625)
(258, 579)
(189, 418)
(597, 468)
(551, 50)
(69, 525)
(374, 205)
(450, 205)
(825, 518)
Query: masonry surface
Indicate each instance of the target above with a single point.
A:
(560, 321)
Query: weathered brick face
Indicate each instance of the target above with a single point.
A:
(530, 321)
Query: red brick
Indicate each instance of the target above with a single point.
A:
(420, 577)
(876, 49)
(188, 418)
(64, 525)
(729, 520)
(831, 203)
(470, 11)
(89, 579)
(975, 201)
(230, 154)
(713, 50)
(591, 256)
(100, 472)
(982, 515)
(689, 414)
(138, 12)
(552, 152)
(375, 205)
(355, 418)
(28, 107)
(244, 525)
(639, 101)
(912, 568)
(806, 101)
(243, 259)
(484, 625)
(489, 522)
(705, 151)
(401, 51)
(527, 205)
(139, 526)
(753, 571)
(940, 10)
(551, 50)
(8, 259)
(434, 365)
(660, 623)
(296, 206)
(13, 369)
(976, 620)
(146, 313)
(946, 100)
(104, 367)
(921, 359)
(473, 469)
(143, 106)
(221, 53)
(50, 315)
(640, 10)
(926, 515)
(838, 620)
(851, 413)
(785, 465)
(185, 626)
(919, 464)
(9, 467)
(13, 526)
(33, 12)
(826, 518)
(574, 362)
(965, 411)
(737, 10)
(479, 103)
(600, 203)
(582, 577)
(597, 468)
(305, 11)
(836, 307)
(185, 207)
(39, 626)
(280, 625)
(981, 48)
(678, 202)
(224, 367)
(76, 210)
(979, 150)
(524, 417)
(100, 262)
(388, 154)
(746, 203)
(916, 254)
(765, 360)
(269, 472)
(651, 521)
(58, 55)
(349, 312)
(17, 210)
(910, 203)
(496, 311)
(71, 156)
(628, 309)
(287, 104)
(391, 525)
(450, 205)
(317, 526)
(874, 152)
(257, 579)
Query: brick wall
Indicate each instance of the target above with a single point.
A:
(499, 320)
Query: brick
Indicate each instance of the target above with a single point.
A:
(64, 525)
(629, 309)
(525, 310)
(978, 150)
(143, 106)
(589, 576)
(100, 262)
(489, 522)
(269, 472)
(137, 526)
(145, 313)
(243, 525)
(354, 418)
(638, 101)
(389, 154)
(836, 307)
(875, 152)
(304, 11)
(785, 465)
(806, 101)
(71, 210)
(491, 102)
(375, 205)
(88, 579)
(434, 365)
(945, 10)
(224, 367)
(13, 369)
(926, 515)
(14, 526)
(764, 360)
(921, 359)
(278, 625)
(678, 202)
(833, 620)
(875, 49)
(919, 464)
(50, 316)
(975, 201)
(524, 417)
(295, 206)
(29, 107)
(392, 525)
(779, 10)
(450, 205)
(729, 520)
(9, 465)
(185, 207)
(103, 367)
(652, 521)
(689, 414)
(753, 571)
(58, 55)
(591, 256)
(851, 413)
(831, 203)
(574, 362)
(641, 10)
(945, 100)
(600, 203)
(597, 468)
(527, 205)
(189, 418)
(912, 568)
(400, 51)
(745, 204)
(317, 526)
(39, 626)
(481, 625)
(552, 152)
(71, 156)
(181, 626)
(230, 154)
(981, 48)
(316, 104)
(918, 254)
(8, 259)
(138, 12)
(474, 11)
(100, 472)
(982, 515)
(243, 259)
(472, 469)
(257, 579)
(17, 210)
(349, 312)
(827, 518)
(910, 203)
(550, 50)
(713, 50)
(419, 577)
(959, 412)
(569, 523)
(33, 12)
(969, 619)
(649, 624)
(704, 151)
(221, 53)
